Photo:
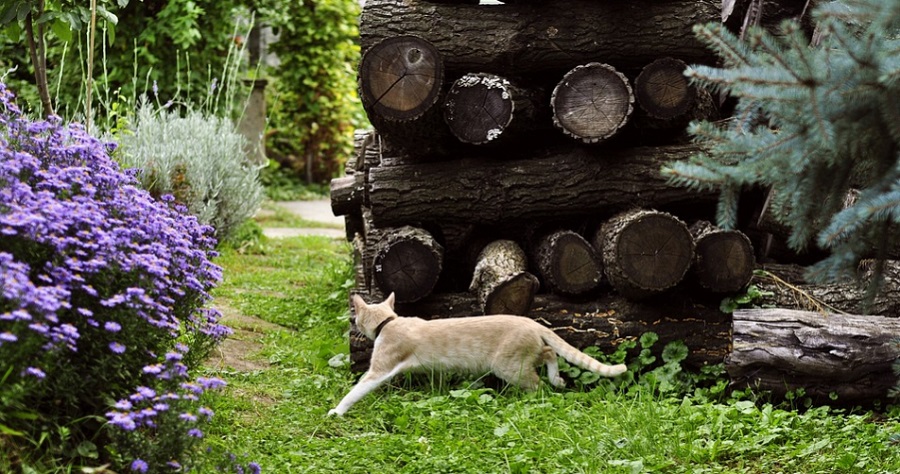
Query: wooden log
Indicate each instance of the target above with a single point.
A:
(783, 288)
(481, 108)
(592, 102)
(723, 261)
(644, 252)
(662, 90)
(407, 262)
(567, 263)
(604, 322)
(827, 355)
(400, 81)
(477, 190)
(523, 39)
(501, 281)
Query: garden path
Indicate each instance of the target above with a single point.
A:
(318, 211)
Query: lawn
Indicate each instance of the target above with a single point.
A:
(287, 299)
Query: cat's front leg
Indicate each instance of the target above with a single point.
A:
(369, 382)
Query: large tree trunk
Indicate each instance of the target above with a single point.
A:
(554, 184)
(605, 323)
(522, 39)
(827, 355)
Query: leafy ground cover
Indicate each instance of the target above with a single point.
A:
(287, 300)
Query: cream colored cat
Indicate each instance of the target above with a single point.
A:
(509, 346)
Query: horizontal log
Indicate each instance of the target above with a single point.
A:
(592, 102)
(605, 323)
(519, 39)
(557, 183)
(828, 355)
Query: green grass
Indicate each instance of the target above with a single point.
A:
(277, 414)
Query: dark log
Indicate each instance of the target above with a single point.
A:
(644, 252)
(827, 355)
(556, 183)
(592, 102)
(604, 323)
(481, 108)
(501, 281)
(518, 40)
(567, 263)
(723, 261)
(347, 194)
(407, 262)
(400, 81)
(662, 90)
(787, 292)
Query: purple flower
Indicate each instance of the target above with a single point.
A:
(122, 420)
(188, 417)
(123, 405)
(139, 465)
(153, 369)
(254, 468)
(112, 326)
(211, 382)
(8, 337)
(35, 372)
(116, 347)
(205, 412)
(194, 432)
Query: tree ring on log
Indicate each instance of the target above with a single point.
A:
(515, 295)
(400, 77)
(407, 262)
(478, 108)
(592, 102)
(662, 90)
(724, 259)
(645, 252)
(568, 263)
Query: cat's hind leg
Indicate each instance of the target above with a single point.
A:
(523, 375)
(549, 357)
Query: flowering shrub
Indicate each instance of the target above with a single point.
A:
(199, 159)
(101, 295)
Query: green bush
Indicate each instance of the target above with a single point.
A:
(197, 158)
(312, 102)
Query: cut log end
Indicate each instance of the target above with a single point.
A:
(645, 252)
(568, 263)
(662, 90)
(407, 262)
(515, 295)
(478, 108)
(500, 279)
(724, 259)
(400, 77)
(592, 102)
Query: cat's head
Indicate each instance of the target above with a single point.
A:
(369, 316)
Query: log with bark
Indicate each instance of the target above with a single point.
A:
(556, 183)
(524, 39)
(723, 261)
(662, 90)
(501, 280)
(835, 358)
(400, 82)
(592, 102)
(604, 322)
(483, 108)
(407, 261)
(645, 252)
(567, 263)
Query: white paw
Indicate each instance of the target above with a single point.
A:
(335, 412)
(558, 382)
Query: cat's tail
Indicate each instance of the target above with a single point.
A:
(576, 357)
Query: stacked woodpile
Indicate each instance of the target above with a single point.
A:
(514, 168)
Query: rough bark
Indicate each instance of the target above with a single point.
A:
(825, 354)
(483, 108)
(521, 39)
(501, 281)
(789, 291)
(567, 263)
(644, 252)
(484, 191)
(592, 102)
(407, 262)
(723, 261)
(605, 323)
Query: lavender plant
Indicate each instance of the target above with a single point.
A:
(102, 290)
(200, 159)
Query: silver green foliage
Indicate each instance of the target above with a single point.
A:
(198, 158)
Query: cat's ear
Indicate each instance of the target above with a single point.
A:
(390, 300)
(358, 302)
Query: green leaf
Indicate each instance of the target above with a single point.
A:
(111, 33)
(61, 30)
(674, 352)
(648, 339)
